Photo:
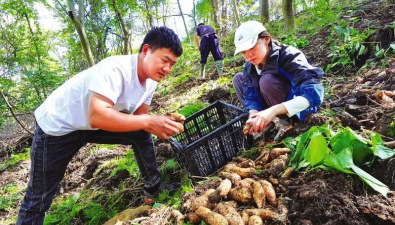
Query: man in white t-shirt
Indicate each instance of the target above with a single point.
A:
(107, 103)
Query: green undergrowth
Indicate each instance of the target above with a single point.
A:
(10, 196)
(86, 207)
(15, 159)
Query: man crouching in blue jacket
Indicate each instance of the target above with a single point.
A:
(277, 79)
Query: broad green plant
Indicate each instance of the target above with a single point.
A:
(343, 150)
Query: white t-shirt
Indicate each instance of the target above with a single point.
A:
(66, 109)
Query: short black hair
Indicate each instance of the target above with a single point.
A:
(162, 37)
(200, 24)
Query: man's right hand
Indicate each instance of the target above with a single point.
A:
(163, 126)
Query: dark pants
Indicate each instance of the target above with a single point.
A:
(273, 89)
(209, 44)
(50, 156)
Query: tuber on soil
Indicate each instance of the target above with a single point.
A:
(248, 163)
(273, 180)
(241, 195)
(193, 218)
(263, 213)
(230, 213)
(282, 210)
(255, 220)
(276, 152)
(277, 165)
(204, 200)
(211, 217)
(243, 172)
(177, 216)
(258, 194)
(233, 177)
(288, 172)
(245, 216)
(269, 191)
(224, 188)
(263, 157)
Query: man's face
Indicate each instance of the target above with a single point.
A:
(157, 64)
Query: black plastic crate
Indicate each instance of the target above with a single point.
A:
(210, 139)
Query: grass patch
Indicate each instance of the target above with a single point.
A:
(15, 158)
(192, 108)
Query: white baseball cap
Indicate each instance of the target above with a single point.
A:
(246, 35)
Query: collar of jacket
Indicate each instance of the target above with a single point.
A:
(271, 66)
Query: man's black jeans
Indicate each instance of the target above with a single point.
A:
(50, 156)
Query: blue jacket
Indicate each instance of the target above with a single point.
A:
(289, 62)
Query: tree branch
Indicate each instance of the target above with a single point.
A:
(13, 114)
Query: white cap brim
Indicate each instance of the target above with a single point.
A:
(248, 44)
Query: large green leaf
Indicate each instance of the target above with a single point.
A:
(378, 148)
(371, 181)
(301, 146)
(345, 158)
(348, 138)
(317, 149)
(333, 162)
(346, 162)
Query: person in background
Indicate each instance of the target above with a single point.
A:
(209, 43)
(107, 104)
(277, 80)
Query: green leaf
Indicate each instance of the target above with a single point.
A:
(378, 149)
(157, 205)
(361, 50)
(348, 137)
(325, 129)
(345, 158)
(317, 149)
(371, 181)
(333, 162)
(301, 146)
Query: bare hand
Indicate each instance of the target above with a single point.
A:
(260, 120)
(163, 127)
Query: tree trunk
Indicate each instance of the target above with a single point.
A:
(9, 107)
(214, 6)
(236, 12)
(289, 21)
(194, 14)
(149, 15)
(224, 17)
(264, 10)
(79, 25)
(125, 32)
(38, 57)
(183, 19)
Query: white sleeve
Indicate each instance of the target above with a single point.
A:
(296, 105)
(107, 80)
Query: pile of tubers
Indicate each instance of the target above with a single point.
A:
(244, 197)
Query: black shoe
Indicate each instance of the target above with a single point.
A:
(150, 195)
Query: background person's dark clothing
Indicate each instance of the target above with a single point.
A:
(204, 30)
(50, 156)
(209, 43)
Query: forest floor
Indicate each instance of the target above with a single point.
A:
(358, 100)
